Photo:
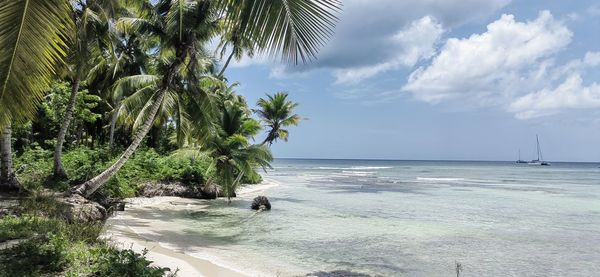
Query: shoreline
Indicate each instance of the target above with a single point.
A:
(126, 231)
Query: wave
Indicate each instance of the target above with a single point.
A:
(439, 179)
(371, 167)
(353, 167)
(331, 168)
(358, 173)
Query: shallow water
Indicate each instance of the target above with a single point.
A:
(411, 218)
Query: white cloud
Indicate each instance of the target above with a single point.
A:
(411, 44)
(571, 94)
(592, 58)
(364, 37)
(509, 57)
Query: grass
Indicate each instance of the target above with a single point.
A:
(49, 246)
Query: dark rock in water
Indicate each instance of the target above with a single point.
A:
(261, 203)
(78, 209)
(337, 273)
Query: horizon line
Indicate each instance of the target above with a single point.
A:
(422, 160)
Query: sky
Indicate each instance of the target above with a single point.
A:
(444, 80)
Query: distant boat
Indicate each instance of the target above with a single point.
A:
(540, 158)
(519, 161)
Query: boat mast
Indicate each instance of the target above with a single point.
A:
(539, 151)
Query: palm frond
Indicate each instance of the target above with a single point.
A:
(296, 29)
(33, 39)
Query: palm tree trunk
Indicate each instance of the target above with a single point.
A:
(86, 189)
(7, 177)
(59, 171)
(269, 139)
(113, 123)
(226, 63)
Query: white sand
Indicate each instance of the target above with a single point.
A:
(136, 229)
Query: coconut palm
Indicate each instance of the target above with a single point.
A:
(8, 181)
(123, 54)
(88, 16)
(277, 112)
(34, 38)
(230, 146)
(239, 46)
(293, 28)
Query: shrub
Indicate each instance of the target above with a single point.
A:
(82, 164)
(35, 256)
(52, 247)
(113, 262)
(252, 178)
(12, 227)
(145, 165)
(183, 169)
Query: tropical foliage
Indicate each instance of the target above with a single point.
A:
(277, 112)
(132, 73)
(84, 84)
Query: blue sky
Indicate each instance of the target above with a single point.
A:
(460, 80)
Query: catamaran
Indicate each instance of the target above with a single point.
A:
(540, 158)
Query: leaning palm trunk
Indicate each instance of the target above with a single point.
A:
(270, 138)
(113, 123)
(7, 177)
(89, 187)
(59, 171)
(226, 63)
(235, 185)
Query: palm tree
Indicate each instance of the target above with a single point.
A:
(239, 46)
(233, 154)
(34, 38)
(123, 54)
(8, 182)
(277, 112)
(88, 16)
(293, 28)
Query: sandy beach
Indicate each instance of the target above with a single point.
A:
(140, 227)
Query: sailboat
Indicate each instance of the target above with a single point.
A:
(519, 161)
(540, 158)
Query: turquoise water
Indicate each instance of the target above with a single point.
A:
(415, 218)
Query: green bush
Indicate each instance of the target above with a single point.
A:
(145, 165)
(83, 163)
(33, 167)
(49, 246)
(113, 262)
(36, 256)
(12, 227)
(183, 169)
(59, 253)
(252, 178)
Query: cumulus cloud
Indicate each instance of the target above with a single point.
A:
(366, 38)
(511, 65)
(411, 44)
(509, 57)
(571, 94)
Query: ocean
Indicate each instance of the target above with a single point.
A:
(410, 218)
